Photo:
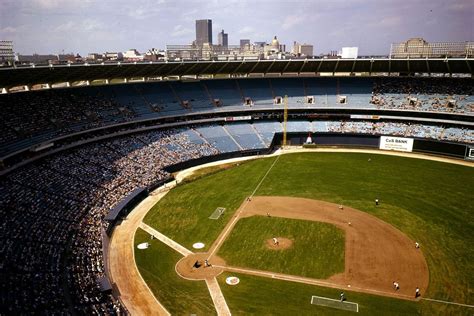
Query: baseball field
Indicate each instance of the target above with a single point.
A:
(331, 235)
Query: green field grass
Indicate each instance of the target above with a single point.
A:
(317, 250)
(431, 202)
(179, 296)
(183, 215)
(262, 296)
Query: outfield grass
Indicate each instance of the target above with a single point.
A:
(431, 202)
(179, 296)
(317, 250)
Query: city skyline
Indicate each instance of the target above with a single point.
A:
(57, 26)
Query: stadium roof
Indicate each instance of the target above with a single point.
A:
(51, 74)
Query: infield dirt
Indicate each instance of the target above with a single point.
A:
(376, 253)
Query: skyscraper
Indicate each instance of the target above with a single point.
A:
(244, 42)
(203, 32)
(223, 39)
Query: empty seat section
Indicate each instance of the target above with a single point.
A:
(320, 127)
(130, 96)
(225, 90)
(256, 89)
(357, 90)
(298, 126)
(216, 136)
(194, 93)
(291, 87)
(267, 130)
(323, 89)
(161, 98)
(245, 135)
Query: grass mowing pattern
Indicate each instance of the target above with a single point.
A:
(317, 250)
(431, 202)
(183, 214)
(179, 296)
(262, 296)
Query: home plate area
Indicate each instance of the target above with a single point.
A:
(329, 302)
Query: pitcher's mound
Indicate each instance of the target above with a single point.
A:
(283, 243)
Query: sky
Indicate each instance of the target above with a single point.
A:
(86, 26)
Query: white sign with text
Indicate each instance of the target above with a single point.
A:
(396, 143)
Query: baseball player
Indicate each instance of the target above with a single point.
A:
(343, 297)
(417, 292)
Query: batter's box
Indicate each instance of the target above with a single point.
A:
(329, 302)
(217, 213)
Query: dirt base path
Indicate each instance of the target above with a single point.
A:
(376, 253)
(134, 293)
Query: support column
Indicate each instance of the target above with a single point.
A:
(27, 88)
(4, 91)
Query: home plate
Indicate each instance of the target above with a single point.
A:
(143, 245)
(198, 245)
(232, 280)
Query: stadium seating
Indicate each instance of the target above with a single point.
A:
(35, 117)
(53, 209)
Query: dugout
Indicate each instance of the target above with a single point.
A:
(124, 206)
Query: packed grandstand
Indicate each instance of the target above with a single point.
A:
(69, 156)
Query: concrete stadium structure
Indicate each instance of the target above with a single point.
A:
(69, 156)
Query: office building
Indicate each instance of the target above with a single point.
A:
(302, 49)
(6, 51)
(203, 32)
(223, 39)
(419, 48)
(244, 43)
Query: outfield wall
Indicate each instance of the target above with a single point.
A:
(199, 161)
(371, 141)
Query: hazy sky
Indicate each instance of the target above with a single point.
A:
(83, 26)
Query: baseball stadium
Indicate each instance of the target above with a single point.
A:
(266, 187)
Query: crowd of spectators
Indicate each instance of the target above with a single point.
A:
(54, 113)
(403, 129)
(51, 256)
(424, 94)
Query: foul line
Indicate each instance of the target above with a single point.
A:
(166, 240)
(446, 302)
(310, 281)
(229, 228)
(266, 174)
